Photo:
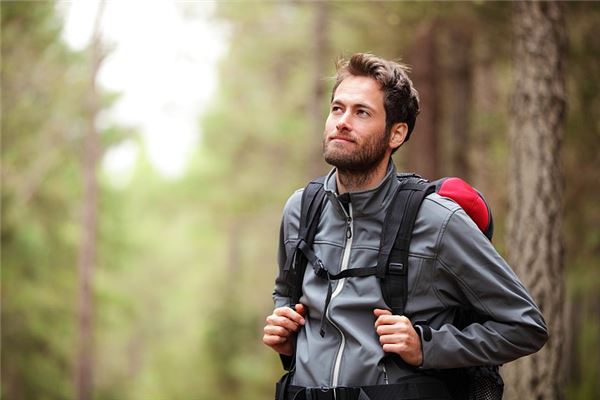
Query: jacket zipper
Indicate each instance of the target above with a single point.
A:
(338, 289)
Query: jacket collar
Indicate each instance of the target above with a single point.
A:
(367, 202)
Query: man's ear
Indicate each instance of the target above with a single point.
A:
(398, 134)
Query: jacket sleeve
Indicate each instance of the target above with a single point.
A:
(288, 232)
(513, 325)
(287, 229)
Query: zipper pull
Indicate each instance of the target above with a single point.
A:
(385, 375)
(349, 228)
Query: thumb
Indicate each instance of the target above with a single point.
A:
(300, 309)
(379, 312)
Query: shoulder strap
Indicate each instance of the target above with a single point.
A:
(310, 211)
(392, 265)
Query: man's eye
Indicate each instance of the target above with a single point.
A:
(363, 113)
(336, 109)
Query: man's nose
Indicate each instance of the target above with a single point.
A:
(343, 124)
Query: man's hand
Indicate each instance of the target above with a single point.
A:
(397, 335)
(281, 326)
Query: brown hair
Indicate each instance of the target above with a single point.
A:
(400, 98)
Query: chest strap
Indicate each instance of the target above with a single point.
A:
(322, 272)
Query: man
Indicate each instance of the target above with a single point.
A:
(452, 265)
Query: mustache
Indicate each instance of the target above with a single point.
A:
(338, 135)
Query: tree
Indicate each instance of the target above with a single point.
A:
(582, 215)
(40, 190)
(87, 251)
(423, 156)
(319, 85)
(534, 223)
(43, 134)
(461, 92)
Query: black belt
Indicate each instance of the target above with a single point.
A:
(417, 388)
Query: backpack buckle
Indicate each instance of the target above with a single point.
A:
(396, 269)
(321, 271)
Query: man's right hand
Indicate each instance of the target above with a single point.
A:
(281, 326)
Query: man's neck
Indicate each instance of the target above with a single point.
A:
(353, 181)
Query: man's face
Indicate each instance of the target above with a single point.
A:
(355, 138)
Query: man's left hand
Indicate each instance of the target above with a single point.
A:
(397, 335)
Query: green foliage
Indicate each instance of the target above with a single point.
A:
(39, 202)
(42, 130)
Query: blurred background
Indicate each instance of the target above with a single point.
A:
(148, 150)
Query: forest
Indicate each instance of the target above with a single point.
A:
(159, 288)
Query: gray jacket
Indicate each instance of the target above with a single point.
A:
(451, 265)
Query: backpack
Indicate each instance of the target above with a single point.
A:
(474, 383)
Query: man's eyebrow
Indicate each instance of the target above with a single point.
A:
(364, 105)
(357, 105)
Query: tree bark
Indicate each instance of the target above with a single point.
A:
(461, 75)
(317, 98)
(87, 253)
(484, 173)
(534, 239)
(422, 153)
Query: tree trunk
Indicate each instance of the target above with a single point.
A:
(485, 175)
(316, 165)
(421, 151)
(534, 239)
(87, 253)
(461, 75)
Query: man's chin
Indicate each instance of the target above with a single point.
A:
(335, 158)
(344, 161)
(343, 164)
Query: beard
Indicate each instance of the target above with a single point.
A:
(362, 160)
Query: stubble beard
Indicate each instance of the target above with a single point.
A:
(356, 168)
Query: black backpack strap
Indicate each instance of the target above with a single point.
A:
(310, 211)
(394, 216)
(295, 264)
(392, 265)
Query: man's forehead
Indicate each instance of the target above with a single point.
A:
(359, 89)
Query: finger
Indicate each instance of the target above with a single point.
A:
(390, 329)
(286, 323)
(289, 313)
(273, 340)
(393, 339)
(276, 331)
(387, 320)
(394, 348)
(378, 312)
(381, 312)
(282, 321)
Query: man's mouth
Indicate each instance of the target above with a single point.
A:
(341, 139)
